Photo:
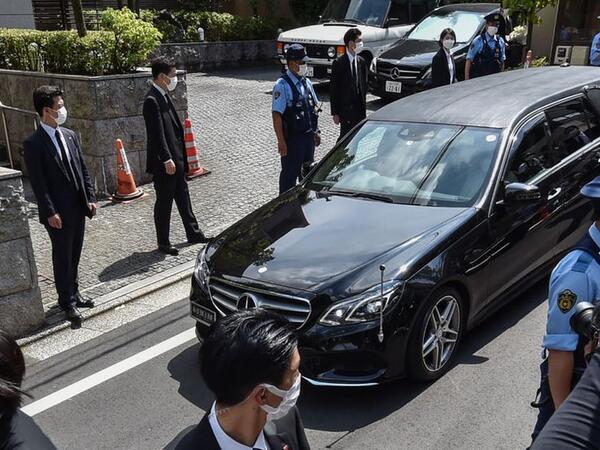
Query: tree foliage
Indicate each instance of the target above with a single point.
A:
(527, 10)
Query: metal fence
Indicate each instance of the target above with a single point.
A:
(6, 146)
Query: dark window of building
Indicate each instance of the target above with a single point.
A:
(577, 21)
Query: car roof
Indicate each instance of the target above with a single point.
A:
(492, 101)
(475, 7)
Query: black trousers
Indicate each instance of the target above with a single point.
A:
(301, 149)
(576, 424)
(346, 126)
(66, 253)
(169, 188)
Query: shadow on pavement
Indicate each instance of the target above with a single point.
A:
(135, 262)
(342, 410)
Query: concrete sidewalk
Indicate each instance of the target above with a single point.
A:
(231, 115)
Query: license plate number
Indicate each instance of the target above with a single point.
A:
(203, 314)
(310, 71)
(393, 86)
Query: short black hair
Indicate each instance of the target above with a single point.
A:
(245, 349)
(12, 370)
(351, 35)
(443, 34)
(44, 97)
(596, 206)
(162, 65)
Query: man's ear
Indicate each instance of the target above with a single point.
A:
(260, 395)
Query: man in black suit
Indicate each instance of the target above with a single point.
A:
(64, 194)
(349, 84)
(250, 361)
(166, 157)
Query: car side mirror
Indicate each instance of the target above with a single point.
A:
(393, 22)
(521, 193)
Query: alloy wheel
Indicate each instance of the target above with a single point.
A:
(441, 333)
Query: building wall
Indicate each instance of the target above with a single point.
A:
(542, 38)
(16, 14)
(280, 8)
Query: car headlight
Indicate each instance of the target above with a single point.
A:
(373, 67)
(331, 52)
(201, 271)
(427, 74)
(364, 307)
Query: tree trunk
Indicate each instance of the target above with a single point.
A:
(78, 14)
(529, 34)
(120, 4)
(134, 6)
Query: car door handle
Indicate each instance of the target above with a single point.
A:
(554, 193)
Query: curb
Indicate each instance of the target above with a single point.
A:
(118, 298)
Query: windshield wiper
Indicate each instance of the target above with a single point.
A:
(379, 197)
(353, 20)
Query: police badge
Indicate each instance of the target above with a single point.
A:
(566, 300)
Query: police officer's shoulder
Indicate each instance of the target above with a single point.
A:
(279, 88)
(574, 261)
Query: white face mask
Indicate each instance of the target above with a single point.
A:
(289, 399)
(62, 115)
(302, 70)
(492, 31)
(448, 43)
(172, 83)
(359, 47)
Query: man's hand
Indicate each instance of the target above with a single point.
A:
(336, 119)
(170, 167)
(55, 221)
(282, 148)
(93, 208)
(317, 139)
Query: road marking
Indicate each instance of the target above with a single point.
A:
(97, 378)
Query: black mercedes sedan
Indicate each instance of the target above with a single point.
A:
(405, 68)
(423, 221)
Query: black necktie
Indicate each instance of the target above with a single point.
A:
(65, 161)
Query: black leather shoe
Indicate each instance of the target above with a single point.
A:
(168, 249)
(74, 316)
(198, 238)
(82, 303)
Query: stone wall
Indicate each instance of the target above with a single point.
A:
(21, 307)
(200, 56)
(101, 109)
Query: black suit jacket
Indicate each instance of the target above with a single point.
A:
(440, 73)
(18, 431)
(351, 107)
(164, 134)
(53, 190)
(286, 433)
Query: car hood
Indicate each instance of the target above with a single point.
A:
(305, 240)
(412, 52)
(331, 33)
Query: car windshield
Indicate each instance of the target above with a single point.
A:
(465, 25)
(411, 163)
(367, 12)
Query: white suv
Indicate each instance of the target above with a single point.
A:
(382, 23)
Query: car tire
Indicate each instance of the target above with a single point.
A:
(436, 337)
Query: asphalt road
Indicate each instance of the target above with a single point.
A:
(482, 403)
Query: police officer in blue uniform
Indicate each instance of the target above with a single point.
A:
(595, 50)
(295, 118)
(488, 50)
(575, 279)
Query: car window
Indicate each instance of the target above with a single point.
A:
(464, 24)
(369, 12)
(411, 163)
(572, 126)
(531, 156)
(410, 11)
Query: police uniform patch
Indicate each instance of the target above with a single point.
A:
(276, 94)
(566, 300)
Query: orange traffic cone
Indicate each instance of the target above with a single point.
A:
(126, 188)
(194, 167)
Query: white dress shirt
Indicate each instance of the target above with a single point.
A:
(52, 133)
(450, 65)
(226, 442)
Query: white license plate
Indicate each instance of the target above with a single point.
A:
(202, 314)
(310, 71)
(393, 86)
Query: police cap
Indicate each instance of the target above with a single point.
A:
(494, 17)
(592, 189)
(296, 52)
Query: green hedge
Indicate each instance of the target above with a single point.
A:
(217, 26)
(124, 45)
